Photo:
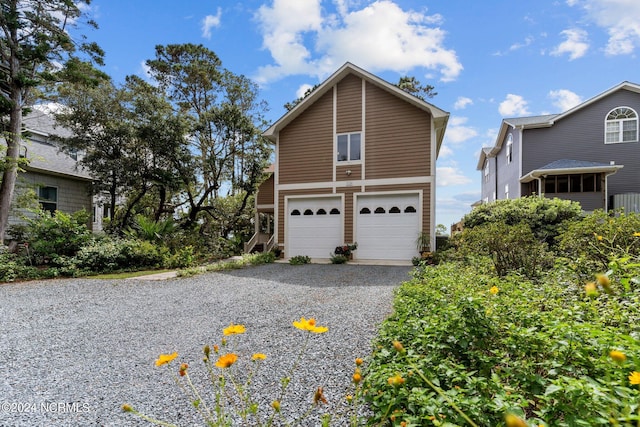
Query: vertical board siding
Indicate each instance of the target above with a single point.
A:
(580, 136)
(397, 137)
(348, 212)
(349, 105)
(306, 145)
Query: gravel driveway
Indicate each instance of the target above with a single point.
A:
(73, 351)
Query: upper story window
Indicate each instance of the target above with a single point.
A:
(486, 170)
(506, 191)
(621, 125)
(510, 149)
(348, 146)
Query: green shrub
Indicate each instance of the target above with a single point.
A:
(183, 258)
(50, 236)
(545, 217)
(338, 259)
(489, 346)
(262, 258)
(299, 260)
(107, 255)
(598, 238)
(511, 247)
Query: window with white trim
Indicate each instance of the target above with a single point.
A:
(621, 125)
(510, 149)
(486, 170)
(506, 191)
(349, 147)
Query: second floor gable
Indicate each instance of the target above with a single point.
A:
(354, 127)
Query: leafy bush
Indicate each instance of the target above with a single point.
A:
(338, 259)
(52, 235)
(299, 260)
(511, 247)
(545, 217)
(598, 238)
(465, 342)
(183, 258)
(262, 258)
(107, 255)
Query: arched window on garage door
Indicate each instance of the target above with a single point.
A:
(395, 209)
(334, 211)
(295, 212)
(308, 212)
(365, 211)
(379, 210)
(410, 209)
(321, 212)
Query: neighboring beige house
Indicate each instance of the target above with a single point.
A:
(54, 175)
(355, 161)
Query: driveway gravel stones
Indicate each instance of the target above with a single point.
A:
(73, 351)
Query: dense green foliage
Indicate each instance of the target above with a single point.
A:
(485, 346)
(545, 217)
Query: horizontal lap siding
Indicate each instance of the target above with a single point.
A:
(426, 198)
(349, 105)
(305, 146)
(397, 137)
(265, 192)
(341, 172)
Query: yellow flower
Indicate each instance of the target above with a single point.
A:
(398, 346)
(226, 360)
(276, 405)
(603, 280)
(349, 398)
(309, 325)
(617, 356)
(357, 378)
(163, 359)
(494, 290)
(259, 356)
(599, 237)
(359, 361)
(233, 330)
(127, 408)
(634, 378)
(514, 421)
(636, 234)
(590, 289)
(396, 380)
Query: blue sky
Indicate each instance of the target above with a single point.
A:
(487, 59)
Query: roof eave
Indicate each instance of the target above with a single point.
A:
(538, 173)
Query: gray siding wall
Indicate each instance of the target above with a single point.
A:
(580, 136)
(508, 173)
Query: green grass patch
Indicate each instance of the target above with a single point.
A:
(127, 274)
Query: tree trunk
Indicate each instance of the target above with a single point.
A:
(10, 173)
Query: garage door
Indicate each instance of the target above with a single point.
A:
(387, 226)
(314, 226)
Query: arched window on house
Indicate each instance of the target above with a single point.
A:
(621, 125)
(510, 148)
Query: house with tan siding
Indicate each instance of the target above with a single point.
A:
(589, 154)
(355, 162)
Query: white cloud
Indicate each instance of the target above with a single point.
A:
(447, 176)
(209, 22)
(456, 131)
(621, 20)
(513, 105)
(576, 44)
(462, 102)
(445, 151)
(564, 99)
(380, 36)
(302, 90)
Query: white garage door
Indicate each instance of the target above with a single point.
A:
(314, 226)
(387, 226)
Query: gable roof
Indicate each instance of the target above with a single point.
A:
(440, 117)
(547, 120)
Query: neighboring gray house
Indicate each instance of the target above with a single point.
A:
(55, 176)
(589, 154)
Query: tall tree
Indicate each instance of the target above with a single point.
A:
(34, 41)
(225, 117)
(414, 87)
